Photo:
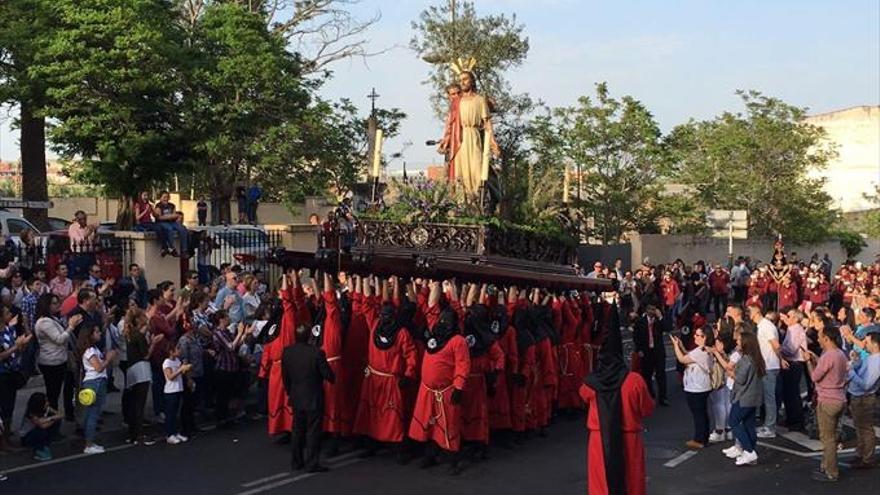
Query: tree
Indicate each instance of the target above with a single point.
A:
(759, 161)
(616, 146)
(20, 23)
(244, 87)
(496, 42)
(323, 152)
(319, 31)
(113, 79)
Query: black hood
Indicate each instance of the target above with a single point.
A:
(478, 330)
(386, 331)
(445, 328)
(522, 322)
(607, 381)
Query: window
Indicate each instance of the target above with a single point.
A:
(16, 225)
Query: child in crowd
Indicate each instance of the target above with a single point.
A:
(174, 372)
(39, 426)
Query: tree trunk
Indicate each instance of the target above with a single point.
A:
(34, 184)
(125, 213)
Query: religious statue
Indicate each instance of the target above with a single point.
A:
(467, 137)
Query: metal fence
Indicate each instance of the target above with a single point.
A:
(247, 247)
(48, 252)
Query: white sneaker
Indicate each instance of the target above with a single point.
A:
(747, 458)
(766, 433)
(733, 452)
(716, 437)
(182, 438)
(93, 449)
(172, 440)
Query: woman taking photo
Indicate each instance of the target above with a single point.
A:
(697, 382)
(54, 338)
(748, 393)
(95, 365)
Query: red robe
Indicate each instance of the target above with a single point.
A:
(570, 362)
(280, 413)
(354, 360)
(500, 404)
(545, 381)
(334, 393)
(475, 401)
(381, 413)
(435, 417)
(636, 405)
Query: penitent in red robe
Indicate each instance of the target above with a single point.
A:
(354, 359)
(636, 405)
(280, 414)
(499, 405)
(334, 393)
(381, 412)
(570, 362)
(435, 417)
(475, 401)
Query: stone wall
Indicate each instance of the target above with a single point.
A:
(664, 248)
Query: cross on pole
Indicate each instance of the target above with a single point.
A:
(373, 96)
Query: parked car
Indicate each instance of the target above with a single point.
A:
(56, 223)
(12, 224)
(245, 245)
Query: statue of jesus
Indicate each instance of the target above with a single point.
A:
(468, 145)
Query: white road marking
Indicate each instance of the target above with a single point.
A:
(801, 439)
(678, 460)
(283, 474)
(266, 479)
(66, 459)
(294, 479)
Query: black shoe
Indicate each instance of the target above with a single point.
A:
(174, 253)
(664, 402)
(820, 476)
(367, 453)
(163, 253)
(283, 439)
(318, 469)
(428, 462)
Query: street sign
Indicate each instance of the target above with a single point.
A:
(17, 203)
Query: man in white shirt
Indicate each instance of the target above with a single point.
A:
(768, 339)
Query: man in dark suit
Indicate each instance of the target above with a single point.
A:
(649, 343)
(303, 369)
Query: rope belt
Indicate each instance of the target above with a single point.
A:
(334, 358)
(369, 370)
(438, 396)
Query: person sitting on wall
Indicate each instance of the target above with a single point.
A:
(167, 218)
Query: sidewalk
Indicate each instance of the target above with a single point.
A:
(112, 431)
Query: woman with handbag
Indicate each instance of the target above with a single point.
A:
(95, 364)
(697, 382)
(11, 376)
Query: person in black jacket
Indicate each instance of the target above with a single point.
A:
(303, 369)
(648, 339)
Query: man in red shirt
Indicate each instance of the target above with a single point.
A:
(719, 286)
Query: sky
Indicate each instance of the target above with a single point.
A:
(683, 59)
